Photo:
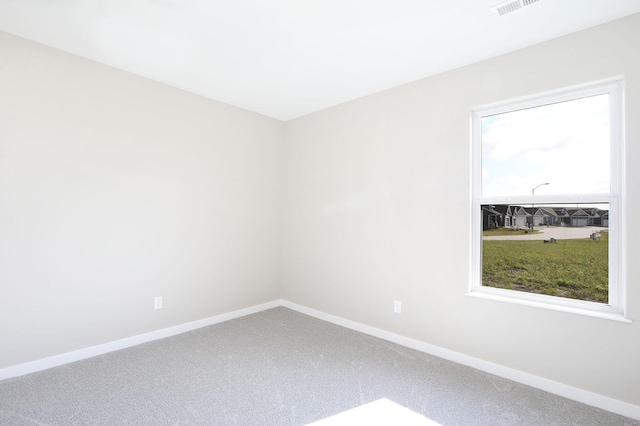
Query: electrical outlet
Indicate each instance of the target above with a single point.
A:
(397, 306)
(157, 304)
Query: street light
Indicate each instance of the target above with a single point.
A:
(534, 189)
(533, 192)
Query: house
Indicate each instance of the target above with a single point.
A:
(564, 218)
(587, 217)
(520, 216)
(578, 217)
(545, 216)
(494, 216)
(516, 216)
(595, 216)
(116, 189)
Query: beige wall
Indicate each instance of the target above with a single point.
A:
(377, 202)
(115, 189)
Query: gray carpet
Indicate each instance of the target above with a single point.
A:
(276, 367)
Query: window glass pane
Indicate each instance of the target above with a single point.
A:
(555, 249)
(565, 146)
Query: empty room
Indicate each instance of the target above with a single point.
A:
(336, 212)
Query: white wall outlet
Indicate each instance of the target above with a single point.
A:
(397, 306)
(157, 303)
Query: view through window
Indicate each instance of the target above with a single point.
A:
(558, 250)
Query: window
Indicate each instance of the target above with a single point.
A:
(547, 206)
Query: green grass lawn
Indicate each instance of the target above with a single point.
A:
(576, 269)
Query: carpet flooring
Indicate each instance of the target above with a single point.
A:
(276, 367)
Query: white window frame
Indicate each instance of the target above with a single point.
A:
(616, 307)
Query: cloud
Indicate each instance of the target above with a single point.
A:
(566, 144)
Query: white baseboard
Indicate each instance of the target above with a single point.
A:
(576, 394)
(57, 360)
(566, 391)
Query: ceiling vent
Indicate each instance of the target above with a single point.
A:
(511, 6)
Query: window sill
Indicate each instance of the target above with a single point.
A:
(557, 304)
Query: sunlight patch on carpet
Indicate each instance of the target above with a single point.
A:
(380, 412)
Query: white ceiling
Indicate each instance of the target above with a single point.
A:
(288, 58)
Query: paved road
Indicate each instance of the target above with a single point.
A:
(557, 232)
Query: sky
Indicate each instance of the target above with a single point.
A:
(566, 144)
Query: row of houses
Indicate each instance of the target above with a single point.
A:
(512, 216)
